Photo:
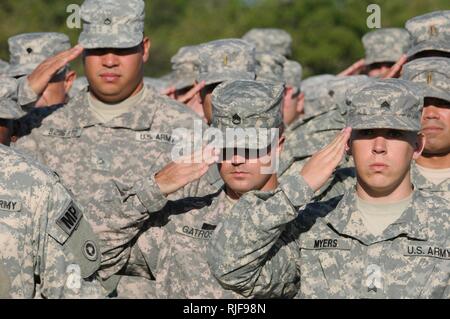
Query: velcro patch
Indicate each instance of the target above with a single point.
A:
(428, 251)
(54, 132)
(10, 205)
(156, 136)
(195, 233)
(69, 219)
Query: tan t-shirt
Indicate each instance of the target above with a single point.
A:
(106, 112)
(377, 217)
(436, 176)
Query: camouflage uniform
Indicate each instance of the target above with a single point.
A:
(324, 250)
(276, 41)
(78, 85)
(48, 249)
(430, 31)
(176, 241)
(293, 73)
(3, 67)
(432, 74)
(27, 51)
(386, 45)
(270, 67)
(100, 162)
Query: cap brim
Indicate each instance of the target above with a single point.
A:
(363, 122)
(10, 110)
(213, 78)
(369, 61)
(428, 91)
(115, 41)
(430, 45)
(20, 70)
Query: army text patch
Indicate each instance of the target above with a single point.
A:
(155, 136)
(10, 205)
(428, 251)
(73, 133)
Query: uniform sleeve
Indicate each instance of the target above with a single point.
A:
(68, 253)
(25, 94)
(253, 252)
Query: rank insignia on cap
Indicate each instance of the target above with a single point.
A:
(107, 21)
(29, 50)
(429, 78)
(433, 31)
(385, 105)
(225, 60)
(236, 119)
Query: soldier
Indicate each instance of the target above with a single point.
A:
(79, 84)
(9, 110)
(386, 50)
(116, 132)
(382, 239)
(220, 61)
(272, 40)
(430, 33)
(27, 52)
(294, 98)
(47, 248)
(431, 171)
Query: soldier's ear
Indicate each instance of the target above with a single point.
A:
(419, 145)
(146, 44)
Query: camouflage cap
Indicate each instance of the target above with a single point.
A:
(430, 31)
(185, 66)
(112, 24)
(28, 50)
(385, 104)
(4, 66)
(339, 85)
(386, 45)
(226, 60)
(432, 74)
(270, 40)
(253, 106)
(293, 73)
(270, 67)
(317, 99)
(9, 109)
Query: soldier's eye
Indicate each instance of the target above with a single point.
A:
(366, 132)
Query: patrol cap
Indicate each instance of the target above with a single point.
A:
(226, 60)
(317, 99)
(432, 74)
(385, 104)
(28, 50)
(293, 73)
(386, 45)
(4, 66)
(270, 40)
(247, 104)
(112, 24)
(185, 65)
(430, 31)
(339, 85)
(270, 67)
(9, 109)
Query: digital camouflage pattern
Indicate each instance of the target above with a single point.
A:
(110, 24)
(430, 31)
(78, 85)
(293, 73)
(325, 251)
(74, 143)
(185, 65)
(245, 104)
(3, 67)
(432, 74)
(9, 110)
(386, 45)
(48, 249)
(28, 50)
(270, 40)
(391, 103)
(270, 67)
(226, 60)
(442, 190)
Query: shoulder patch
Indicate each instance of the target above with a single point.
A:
(9, 204)
(70, 218)
(54, 132)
